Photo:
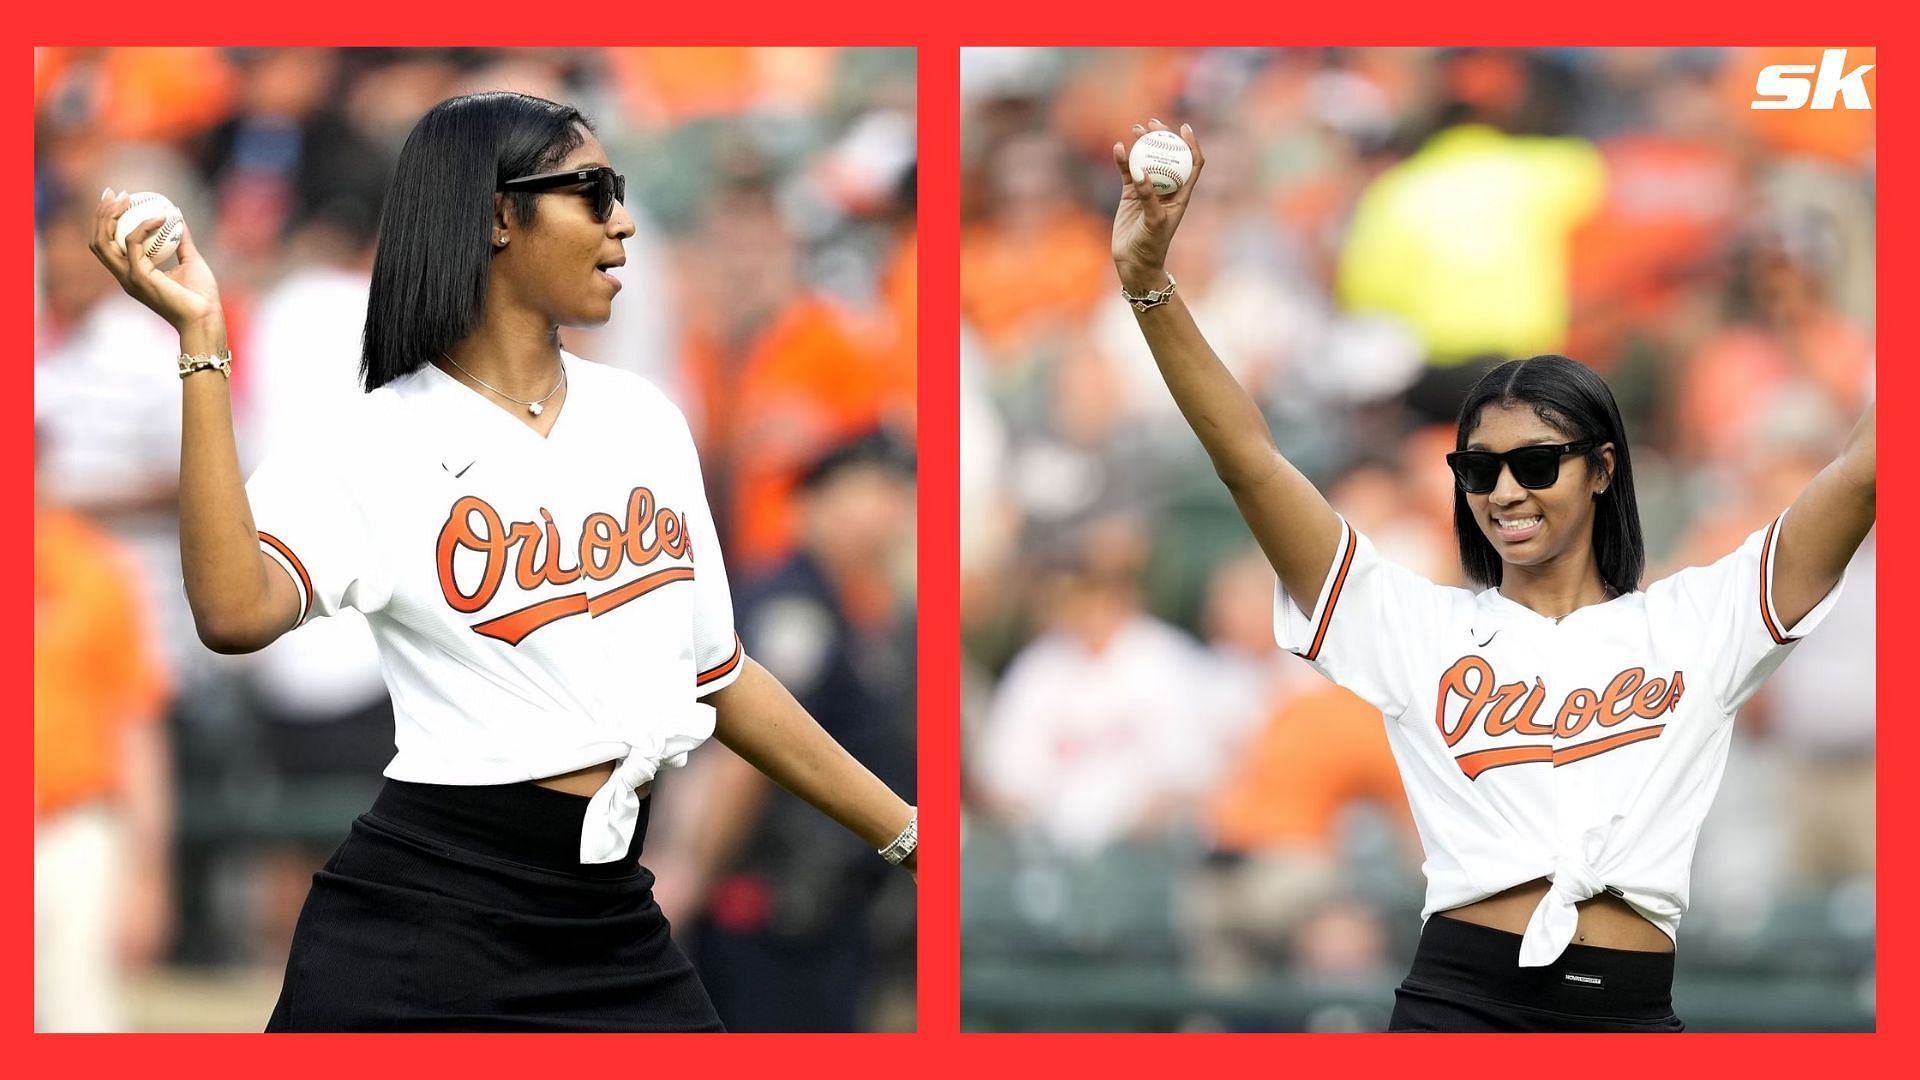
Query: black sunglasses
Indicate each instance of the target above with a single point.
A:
(1533, 466)
(609, 187)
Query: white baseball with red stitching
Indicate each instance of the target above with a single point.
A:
(1162, 158)
(148, 206)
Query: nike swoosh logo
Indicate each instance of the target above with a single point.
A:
(463, 469)
(1489, 640)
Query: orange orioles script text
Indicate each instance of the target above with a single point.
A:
(1509, 712)
(605, 544)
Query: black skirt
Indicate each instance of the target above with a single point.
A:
(467, 909)
(1468, 977)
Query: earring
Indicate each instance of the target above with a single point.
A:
(500, 241)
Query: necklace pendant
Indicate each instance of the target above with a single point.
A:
(534, 408)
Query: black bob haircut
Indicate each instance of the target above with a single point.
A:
(1567, 396)
(435, 250)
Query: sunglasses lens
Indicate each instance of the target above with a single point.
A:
(1476, 470)
(1535, 467)
(602, 195)
(609, 187)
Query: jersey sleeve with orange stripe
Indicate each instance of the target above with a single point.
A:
(1728, 607)
(717, 653)
(313, 526)
(1367, 623)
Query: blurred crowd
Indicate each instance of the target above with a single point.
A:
(1169, 822)
(183, 799)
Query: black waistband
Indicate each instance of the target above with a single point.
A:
(523, 823)
(1586, 980)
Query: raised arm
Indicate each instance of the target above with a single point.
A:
(241, 599)
(1825, 527)
(1290, 519)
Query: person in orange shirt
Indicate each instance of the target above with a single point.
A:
(1276, 872)
(813, 380)
(1032, 265)
(101, 792)
(137, 94)
(821, 373)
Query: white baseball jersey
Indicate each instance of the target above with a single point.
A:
(540, 604)
(1585, 751)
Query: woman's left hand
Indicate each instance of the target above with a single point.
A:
(1145, 221)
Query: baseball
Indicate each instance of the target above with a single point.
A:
(1163, 158)
(148, 206)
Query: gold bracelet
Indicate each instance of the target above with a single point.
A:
(222, 363)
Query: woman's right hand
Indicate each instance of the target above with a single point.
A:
(1144, 224)
(186, 296)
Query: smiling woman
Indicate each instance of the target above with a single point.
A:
(462, 506)
(1560, 733)
(1527, 523)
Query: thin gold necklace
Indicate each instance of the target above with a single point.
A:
(534, 407)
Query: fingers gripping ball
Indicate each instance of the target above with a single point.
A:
(147, 206)
(1162, 158)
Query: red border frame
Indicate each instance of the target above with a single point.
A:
(938, 1049)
